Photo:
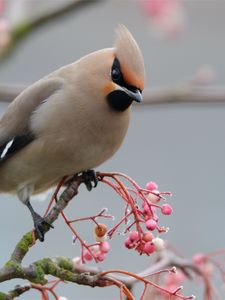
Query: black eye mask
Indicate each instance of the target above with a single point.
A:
(117, 76)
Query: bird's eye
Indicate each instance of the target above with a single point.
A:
(116, 74)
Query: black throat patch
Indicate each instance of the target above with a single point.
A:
(119, 100)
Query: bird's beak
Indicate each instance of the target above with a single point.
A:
(134, 95)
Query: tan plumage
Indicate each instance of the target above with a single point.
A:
(68, 121)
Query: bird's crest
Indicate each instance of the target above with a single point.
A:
(130, 57)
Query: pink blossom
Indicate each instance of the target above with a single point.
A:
(166, 16)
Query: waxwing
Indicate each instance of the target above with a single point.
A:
(70, 121)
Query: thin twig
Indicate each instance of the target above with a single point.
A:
(24, 28)
(159, 96)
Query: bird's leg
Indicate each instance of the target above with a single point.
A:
(89, 176)
(39, 222)
(24, 192)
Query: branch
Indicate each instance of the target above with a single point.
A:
(67, 270)
(180, 94)
(76, 271)
(185, 94)
(16, 292)
(9, 92)
(27, 26)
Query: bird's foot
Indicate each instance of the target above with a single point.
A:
(40, 225)
(90, 179)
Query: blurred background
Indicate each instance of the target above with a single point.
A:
(180, 146)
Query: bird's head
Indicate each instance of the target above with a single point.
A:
(115, 75)
(127, 74)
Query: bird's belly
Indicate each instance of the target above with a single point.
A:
(43, 165)
(78, 161)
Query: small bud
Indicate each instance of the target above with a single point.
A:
(163, 229)
(74, 238)
(173, 269)
(62, 298)
(104, 210)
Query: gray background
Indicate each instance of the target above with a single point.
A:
(181, 147)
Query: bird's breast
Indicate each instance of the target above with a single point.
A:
(96, 140)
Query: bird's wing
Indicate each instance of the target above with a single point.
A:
(15, 131)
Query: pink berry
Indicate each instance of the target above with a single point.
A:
(94, 249)
(146, 208)
(88, 256)
(166, 209)
(148, 236)
(151, 185)
(149, 248)
(104, 247)
(134, 236)
(151, 224)
(100, 256)
(128, 243)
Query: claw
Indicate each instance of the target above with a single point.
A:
(89, 177)
(39, 225)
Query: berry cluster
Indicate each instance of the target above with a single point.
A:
(97, 252)
(145, 241)
(141, 210)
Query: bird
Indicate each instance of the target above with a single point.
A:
(70, 121)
